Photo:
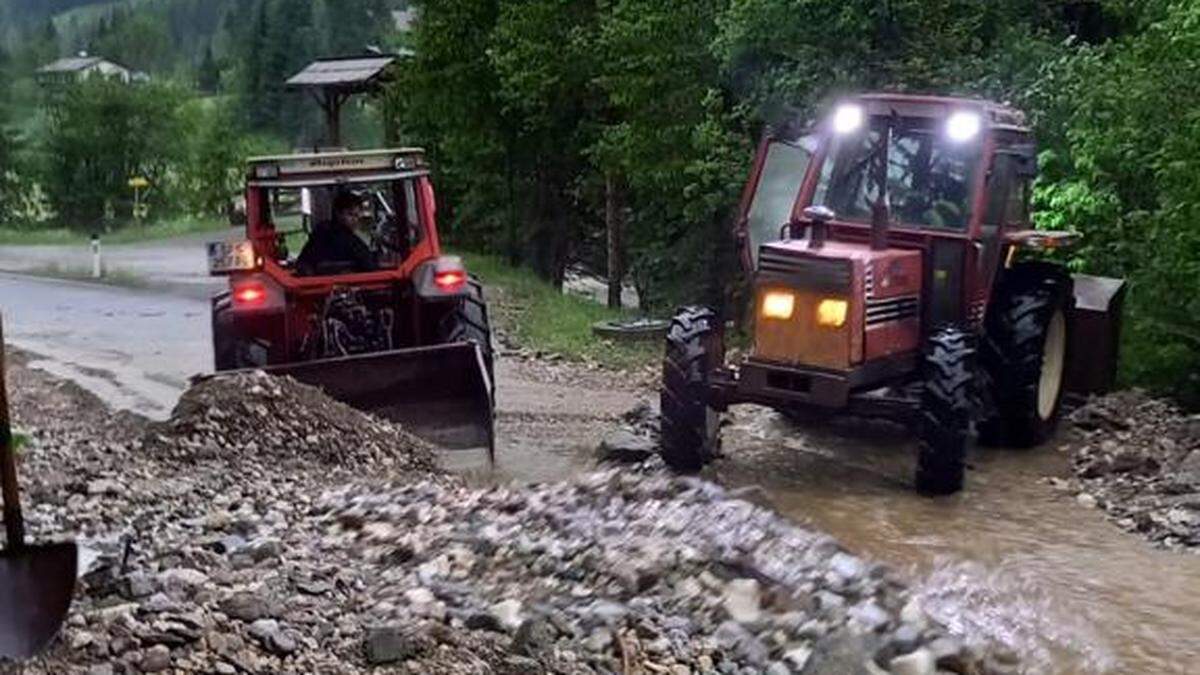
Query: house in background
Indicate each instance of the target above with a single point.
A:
(75, 69)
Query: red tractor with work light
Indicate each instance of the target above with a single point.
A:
(398, 329)
(897, 273)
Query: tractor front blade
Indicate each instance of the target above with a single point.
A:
(443, 394)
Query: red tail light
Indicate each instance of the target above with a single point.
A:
(249, 294)
(450, 280)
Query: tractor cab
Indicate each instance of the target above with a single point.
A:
(291, 197)
(939, 184)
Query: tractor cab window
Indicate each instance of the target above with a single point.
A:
(1009, 193)
(930, 172)
(778, 187)
(343, 229)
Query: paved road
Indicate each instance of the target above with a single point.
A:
(175, 266)
(135, 349)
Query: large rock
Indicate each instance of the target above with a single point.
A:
(391, 644)
(626, 447)
(743, 600)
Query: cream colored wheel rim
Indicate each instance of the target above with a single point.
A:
(1053, 355)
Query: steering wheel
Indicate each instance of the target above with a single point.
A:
(383, 235)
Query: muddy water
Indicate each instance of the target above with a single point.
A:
(1011, 557)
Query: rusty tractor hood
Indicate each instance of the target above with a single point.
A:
(881, 290)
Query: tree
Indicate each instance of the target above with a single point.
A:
(542, 53)
(101, 134)
(13, 185)
(1121, 166)
(446, 99)
(669, 132)
(208, 74)
(137, 40)
(279, 40)
(210, 173)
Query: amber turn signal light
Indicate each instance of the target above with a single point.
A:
(832, 313)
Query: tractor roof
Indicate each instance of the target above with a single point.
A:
(997, 115)
(331, 168)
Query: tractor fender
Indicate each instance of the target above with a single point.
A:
(1095, 334)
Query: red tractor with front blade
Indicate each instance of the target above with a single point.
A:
(888, 281)
(374, 313)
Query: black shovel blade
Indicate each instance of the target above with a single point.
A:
(36, 586)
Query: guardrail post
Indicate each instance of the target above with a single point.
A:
(97, 261)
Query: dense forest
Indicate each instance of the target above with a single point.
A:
(552, 120)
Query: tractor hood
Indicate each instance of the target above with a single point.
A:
(837, 306)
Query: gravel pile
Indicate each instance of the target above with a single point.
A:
(235, 562)
(281, 420)
(1138, 458)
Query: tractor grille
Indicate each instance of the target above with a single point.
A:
(891, 309)
(804, 271)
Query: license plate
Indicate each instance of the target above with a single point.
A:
(231, 256)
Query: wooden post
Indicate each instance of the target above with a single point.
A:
(332, 102)
(614, 217)
(14, 525)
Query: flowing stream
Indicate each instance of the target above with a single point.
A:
(1012, 557)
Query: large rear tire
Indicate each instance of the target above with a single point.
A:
(946, 411)
(469, 322)
(690, 434)
(1026, 353)
(227, 352)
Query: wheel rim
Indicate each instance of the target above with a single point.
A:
(1053, 356)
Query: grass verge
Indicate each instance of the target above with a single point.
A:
(541, 318)
(122, 278)
(130, 234)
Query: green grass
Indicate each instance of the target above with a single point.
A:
(19, 442)
(541, 318)
(130, 234)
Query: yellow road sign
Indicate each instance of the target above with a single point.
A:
(138, 183)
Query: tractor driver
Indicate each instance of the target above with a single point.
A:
(333, 247)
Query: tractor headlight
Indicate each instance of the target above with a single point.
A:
(832, 313)
(847, 119)
(778, 305)
(963, 126)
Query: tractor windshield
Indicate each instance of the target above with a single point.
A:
(385, 219)
(931, 167)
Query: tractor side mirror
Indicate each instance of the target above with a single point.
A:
(819, 214)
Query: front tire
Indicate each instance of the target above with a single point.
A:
(690, 433)
(946, 411)
(1026, 353)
